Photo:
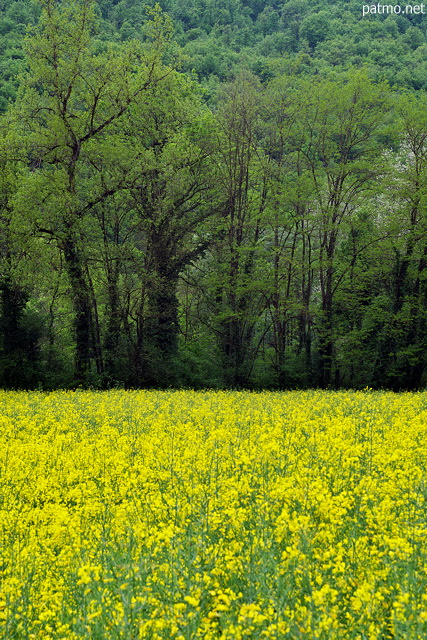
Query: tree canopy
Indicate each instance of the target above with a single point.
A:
(212, 193)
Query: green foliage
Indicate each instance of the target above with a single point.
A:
(19, 335)
(264, 227)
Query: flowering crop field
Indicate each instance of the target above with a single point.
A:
(213, 515)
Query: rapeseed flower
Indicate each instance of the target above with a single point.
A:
(149, 514)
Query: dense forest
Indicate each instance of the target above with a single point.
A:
(212, 193)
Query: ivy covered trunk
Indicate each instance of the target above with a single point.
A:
(84, 322)
(161, 328)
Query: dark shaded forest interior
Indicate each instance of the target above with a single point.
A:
(212, 193)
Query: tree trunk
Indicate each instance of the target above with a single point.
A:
(161, 328)
(81, 299)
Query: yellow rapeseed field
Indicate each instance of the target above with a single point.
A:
(213, 515)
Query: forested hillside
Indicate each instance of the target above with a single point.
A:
(266, 36)
(212, 193)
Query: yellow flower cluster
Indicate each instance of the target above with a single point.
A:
(213, 515)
